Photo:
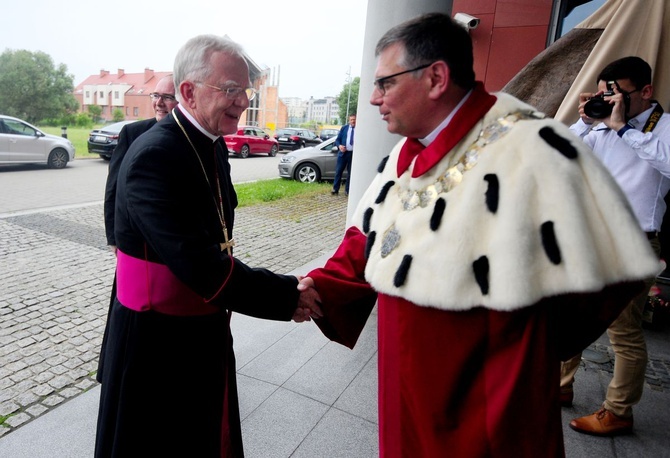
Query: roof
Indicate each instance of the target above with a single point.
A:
(141, 83)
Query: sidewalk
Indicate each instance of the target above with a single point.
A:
(300, 395)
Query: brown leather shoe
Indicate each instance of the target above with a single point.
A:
(602, 423)
(566, 398)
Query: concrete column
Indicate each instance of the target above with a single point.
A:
(373, 141)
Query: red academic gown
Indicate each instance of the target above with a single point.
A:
(470, 383)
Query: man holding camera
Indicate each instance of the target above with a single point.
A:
(630, 134)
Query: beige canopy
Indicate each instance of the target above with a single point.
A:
(553, 80)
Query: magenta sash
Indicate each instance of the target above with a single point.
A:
(143, 285)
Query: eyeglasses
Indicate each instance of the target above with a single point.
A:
(234, 92)
(382, 83)
(167, 98)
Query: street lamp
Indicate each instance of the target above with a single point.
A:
(346, 118)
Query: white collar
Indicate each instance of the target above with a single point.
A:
(428, 139)
(192, 120)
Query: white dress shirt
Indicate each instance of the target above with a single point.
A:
(639, 162)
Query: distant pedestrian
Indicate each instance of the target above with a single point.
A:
(345, 144)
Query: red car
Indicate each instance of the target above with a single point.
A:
(251, 140)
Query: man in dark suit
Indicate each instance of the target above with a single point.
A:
(345, 143)
(169, 349)
(162, 101)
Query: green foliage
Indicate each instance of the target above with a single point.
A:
(275, 189)
(352, 99)
(33, 88)
(95, 112)
(117, 115)
(83, 120)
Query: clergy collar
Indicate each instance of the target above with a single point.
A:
(197, 125)
(428, 139)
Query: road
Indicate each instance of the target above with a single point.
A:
(28, 188)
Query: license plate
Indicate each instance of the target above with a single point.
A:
(99, 138)
(283, 139)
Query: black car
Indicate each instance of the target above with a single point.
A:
(102, 141)
(325, 134)
(295, 138)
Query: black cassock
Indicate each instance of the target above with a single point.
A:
(168, 382)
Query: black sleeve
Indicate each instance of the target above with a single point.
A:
(169, 202)
(110, 186)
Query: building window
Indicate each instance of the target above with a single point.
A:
(88, 94)
(136, 111)
(116, 94)
(102, 95)
(127, 111)
(568, 13)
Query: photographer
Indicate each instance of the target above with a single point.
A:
(630, 134)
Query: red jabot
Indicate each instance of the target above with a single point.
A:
(474, 108)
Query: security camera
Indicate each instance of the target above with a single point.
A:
(467, 21)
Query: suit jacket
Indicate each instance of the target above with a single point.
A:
(128, 135)
(342, 136)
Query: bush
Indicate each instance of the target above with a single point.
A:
(117, 115)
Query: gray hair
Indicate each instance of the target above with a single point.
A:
(192, 60)
(433, 37)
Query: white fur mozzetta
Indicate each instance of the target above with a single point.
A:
(537, 216)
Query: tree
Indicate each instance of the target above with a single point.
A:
(353, 100)
(33, 88)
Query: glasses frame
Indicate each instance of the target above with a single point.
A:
(169, 98)
(379, 82)
(233, 93)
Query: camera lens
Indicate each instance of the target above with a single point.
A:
(597, 108)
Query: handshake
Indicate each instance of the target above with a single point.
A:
(309, 303)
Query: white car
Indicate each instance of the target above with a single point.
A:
(23, 143)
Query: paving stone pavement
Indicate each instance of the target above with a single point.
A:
(56, 272)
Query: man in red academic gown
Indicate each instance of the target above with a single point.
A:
(484, 234)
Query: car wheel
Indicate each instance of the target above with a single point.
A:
(244, 151)
(302, 145)
(106, 158)
(273, 151)
(57, 159)
(308, 173)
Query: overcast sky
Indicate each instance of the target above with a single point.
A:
(312, 44)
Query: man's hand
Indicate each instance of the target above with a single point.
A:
(583, 98)
(618, 117)
(309, 302)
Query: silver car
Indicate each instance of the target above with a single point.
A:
(23, 143)
(311, 164)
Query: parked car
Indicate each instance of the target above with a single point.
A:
(251, 140)
(325, 134)
(294, 138)
(21, 142)
(311, 164)
(103, 141)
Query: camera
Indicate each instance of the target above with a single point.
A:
(599, 108)
(467, 21)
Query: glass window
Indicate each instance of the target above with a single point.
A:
(569, 13)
